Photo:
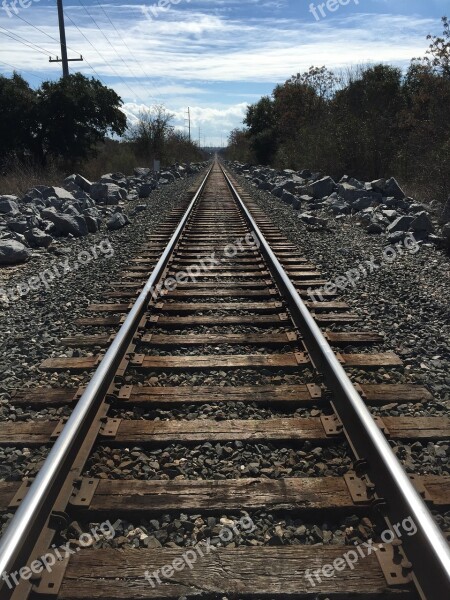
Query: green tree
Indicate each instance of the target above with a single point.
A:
(17, 101)
(261, 121)
(367, 113)
(72, 115)
(239, 146)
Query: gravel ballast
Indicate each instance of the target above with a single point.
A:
(405, 300)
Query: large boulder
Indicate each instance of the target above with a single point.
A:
(351, 194)
(287, 197)
(13, 253)
(375, 228)
(389, 187)
(400, 224)
(59, 193)
(66, 224)
(19, 226)
(37, 238)
(339, 207)
(108, 193)
(265, 185)
(321, 188)
(362, 203)
(422, 222)
(146, 189)
(78, 180)
(168, 175)
(8, 205)
(117, 221)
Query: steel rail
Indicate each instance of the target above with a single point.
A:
(37, 504)
(428, 549)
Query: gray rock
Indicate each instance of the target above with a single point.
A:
(66, 224)
(19, 226)
(71, 210)
(312, 220)
(400, 224)
(362, 203)
(117, 221)
(389, 187)
(78, 180)
(8, 205)
(321, 188)
(278, 191)
(422, 222)
(375, 228)
(139, 208)
(142, 171)
(57, 192)
(92, 223)
(415, 208)
(13, 252)
(351, 194)
(108, 193)
(396, 236)
(390, 214)
(446, 234)
(37, 238)
(287, 197)
(265, 185)
(146, 189)
(339, 207)
(168, 175)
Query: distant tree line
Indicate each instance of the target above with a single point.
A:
(368, 122)
(62, 119)
(75, 122)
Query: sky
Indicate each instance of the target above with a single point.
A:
(214, 56)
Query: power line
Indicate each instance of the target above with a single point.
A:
(102, 58)
(121, 58)
(127, 47)
(92, 46)
(44, 32)
(19, 39)
(20, 70)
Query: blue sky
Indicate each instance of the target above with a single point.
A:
(215, 56)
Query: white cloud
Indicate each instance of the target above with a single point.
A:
(200, 57)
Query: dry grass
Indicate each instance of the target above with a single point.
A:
(20, 179)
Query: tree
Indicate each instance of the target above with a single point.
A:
(72, 115)
(239, 146)
(151, 132)
(261, 121)
(367, 113)
(17, 101)
(439, 51)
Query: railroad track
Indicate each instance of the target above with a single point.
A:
(215, 312)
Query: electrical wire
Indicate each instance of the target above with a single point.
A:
(20, 70)
(25, 43)
(121, 58)
(127, 47)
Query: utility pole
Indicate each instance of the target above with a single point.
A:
(189, 117)
(62, 36)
